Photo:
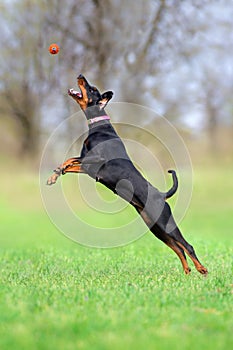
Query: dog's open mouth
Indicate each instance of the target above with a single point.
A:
(81, 80)
(75, 93)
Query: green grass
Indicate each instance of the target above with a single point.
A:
(56, 294)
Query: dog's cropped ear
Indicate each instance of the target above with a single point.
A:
(105, 98)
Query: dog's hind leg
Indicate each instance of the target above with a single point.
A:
(180, 252)
(173, 231)
(164, 237)
(171, 243)
(167, 231)
(183, 244)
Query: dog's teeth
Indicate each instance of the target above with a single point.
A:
(74, 93)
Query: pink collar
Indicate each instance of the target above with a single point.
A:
(97, 119)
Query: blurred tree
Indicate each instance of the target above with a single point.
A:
(167, 54)
(193, 64)
(21, 71)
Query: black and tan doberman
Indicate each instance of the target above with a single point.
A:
(104, 158)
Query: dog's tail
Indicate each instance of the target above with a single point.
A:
(174, 187)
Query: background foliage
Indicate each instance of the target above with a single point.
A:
(173, 56)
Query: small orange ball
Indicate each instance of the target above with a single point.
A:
(54, 49)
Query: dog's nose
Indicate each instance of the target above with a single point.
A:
(80, 76)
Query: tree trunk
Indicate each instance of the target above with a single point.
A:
(212, 129)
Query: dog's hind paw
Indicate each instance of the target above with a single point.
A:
(187, 270)
(203, 270)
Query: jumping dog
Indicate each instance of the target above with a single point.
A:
(105, 159)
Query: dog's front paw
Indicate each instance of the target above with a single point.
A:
(53, 178)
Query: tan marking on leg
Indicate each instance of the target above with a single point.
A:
(71, 163)
(170, 243)
(200, 268)
(184, 263)
(74, 169)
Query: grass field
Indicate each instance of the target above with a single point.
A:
(56, 294)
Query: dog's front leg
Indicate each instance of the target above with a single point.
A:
(71, 165)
